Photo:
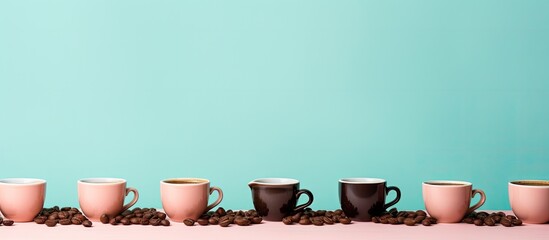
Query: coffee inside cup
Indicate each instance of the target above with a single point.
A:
(102, 180)
(445, 184)
(185, 181)
(532, 183)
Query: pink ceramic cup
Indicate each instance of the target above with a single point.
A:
(184, 198)
(98, 196)
(529, 200)
(449, 201)
(21, 199)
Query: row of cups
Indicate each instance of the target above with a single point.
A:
(21, 199)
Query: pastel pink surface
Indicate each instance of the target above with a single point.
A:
(182, 201)
(97, 199)
(276, 230)
(22, 202)
(530, 203)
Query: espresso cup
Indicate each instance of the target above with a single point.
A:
(275, 198)
(98, 196)
(362, 198)
(21, 199)
(449, 201)
(529, 200)
(184, 198)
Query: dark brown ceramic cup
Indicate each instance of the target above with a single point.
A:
(275, 198)
(362, 198)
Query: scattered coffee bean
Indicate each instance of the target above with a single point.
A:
(165, 222)
(65, 221)
(7, 222)
(409, 222)
(40, 220)
(51, 222)
(516, 222)
(242, 221)
(202, 221)
(104, 219)
(87, 223)
(305, 221)
(188, 222)
(409, 218)
(287, 220)
(492, 219)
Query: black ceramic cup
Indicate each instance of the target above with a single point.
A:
(275, 198)
(362, 198)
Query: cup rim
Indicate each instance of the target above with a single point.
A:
(513, 183)
(202, 181)
(432, 183)
(362, 180)
(101, 181)
(31, 181)
(275, 181)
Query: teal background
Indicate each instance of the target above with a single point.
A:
(314, 90)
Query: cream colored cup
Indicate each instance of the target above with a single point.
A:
(529, 200)
(21, 199)
(184, 198)
(98, 196)
(449, 201)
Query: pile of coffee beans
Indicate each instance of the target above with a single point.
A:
(137, 216)
(317, 218)
(6, 222)
(492, 219)
(408, 218)
(225, 218)
(64, 216)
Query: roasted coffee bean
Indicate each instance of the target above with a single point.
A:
(155, 221)
(375, 219)
(384, 221)
(421, 213)
(242, 221)
(87, 223)
(148, 215)
(489, 221)
(126, 213)
(432, 220)
(258, 220)
(305, 221)
(144, 221)
(345, 220)
(318, 222)
(419, 219)
(165, 222)
(224, 222)
(112, 221)
(468, 220)
(506, 222)
(38, 220)
(213, 220)
(188, 222)
(7, 222)
(53, 216)
(327, 220)
(161, 215)
(426, 222)
(65, 221)
(409, 222)
(221, 211)
(393, 221)
(135, 220)
(479, 222)
(202, 221)
(287, 220)
(401, 220)
(125, 221)
(76, 221)
(49, 222)
(104, 219)
(516, 222)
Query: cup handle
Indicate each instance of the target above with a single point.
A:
(308, 203)
(397, 198)
(480, 202)
(134, 200)
(219, 198)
